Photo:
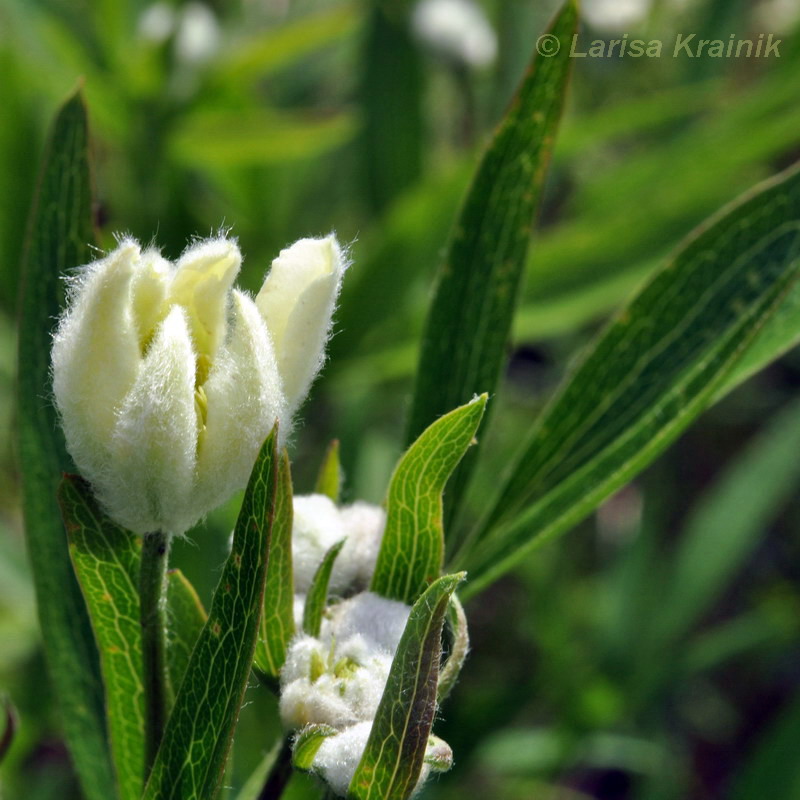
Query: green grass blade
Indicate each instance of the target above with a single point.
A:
(191, 760)
(185, 619)
(393, 757)
(317, 595)
(653, 370)
(730, 519)
(106, 560)
(277, 621)
(412, 549)
(60, 234)
(465, 343)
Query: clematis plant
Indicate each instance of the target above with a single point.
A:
(174, 389)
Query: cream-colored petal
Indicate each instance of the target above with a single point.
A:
(202, 281)
(297, 302)
(243, 399)
(95, 357)
(155, 439)
(149, 291)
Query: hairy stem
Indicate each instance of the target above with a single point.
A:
(152, 616)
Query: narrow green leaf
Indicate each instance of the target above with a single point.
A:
(277, 621)
(317, 595)
(730, 519)
(185, 619)
(277, 48)
(258, 777)
(191, 759)
(466, 336)
(307, 744)
(106, 560)
(60, 235)
(395, 751)
(329, 480)
(236, 138)
(412, 548)
(392, 81)
(655, 368)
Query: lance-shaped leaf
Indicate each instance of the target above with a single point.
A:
(253, 787)
(465, 343)
(317, 595)
(653, 370)
(307, 744)
(106, 558)
(395, 751)
(277, 621)
(191, 759)
(60, 235)
(412, 548)
(329, 480)
(185, 620)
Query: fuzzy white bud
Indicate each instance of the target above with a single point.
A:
(319, 524)
(457, 30)
(168, 380)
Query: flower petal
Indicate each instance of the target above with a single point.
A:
(204, 276)
(96, 357)
(149, 291)
(243, 399)
(297, 302)
(155, 439)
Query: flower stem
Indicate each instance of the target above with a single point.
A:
(152, 617)
(280, 773)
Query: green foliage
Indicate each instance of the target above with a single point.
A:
(412, 547)
(193, 752)
(329, 479)
(723, 529)
(185, 619)
(60, 234)
(464, 344)
(395, 751)
(106, 559)
(317, 597)
(307, 744)
(648, 376)
(277, 620)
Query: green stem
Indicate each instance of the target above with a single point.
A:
(280, 773)
(152, 616)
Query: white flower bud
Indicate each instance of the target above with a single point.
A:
(457, 30)
(165, 404)
(319, 524)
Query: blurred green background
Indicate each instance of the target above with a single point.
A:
(655, 652)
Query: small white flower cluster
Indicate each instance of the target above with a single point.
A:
(337, 679)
